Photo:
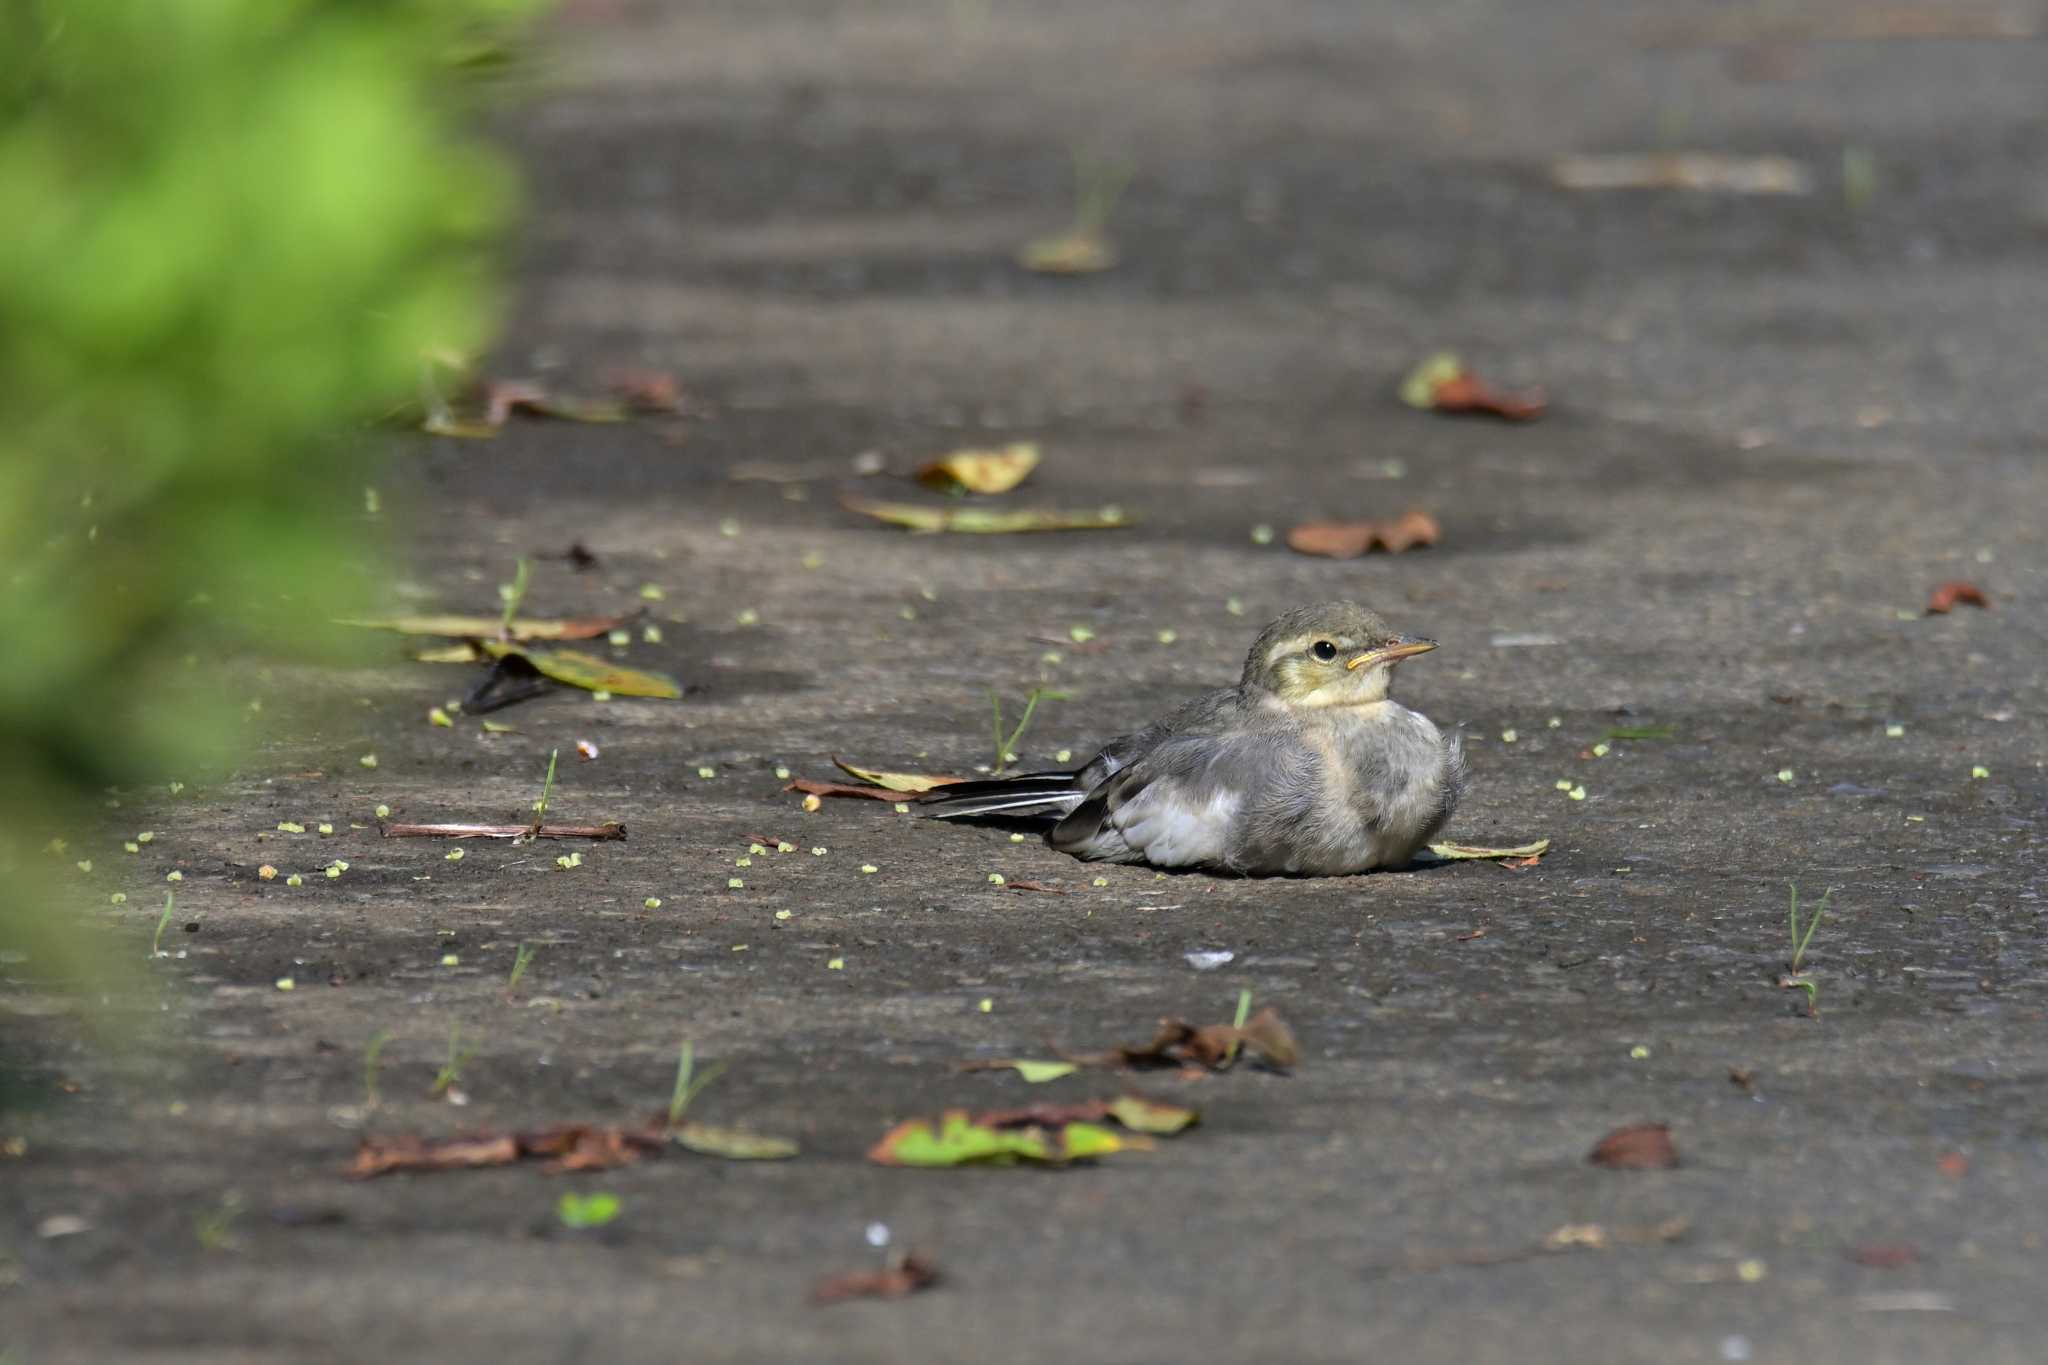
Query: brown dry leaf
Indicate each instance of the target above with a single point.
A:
(896, 782)
(572, 1147)
(1441, 383)
(1954, 1165)
(1135, 1112)
(1036, 886)
(904, 1275)
(1708, 172)
(1948, 595)
(813, 787)
(1179, 1043)
(503, 397)
(1638, 1147)
(1350, 539)
(1476, 933)
(982, 471)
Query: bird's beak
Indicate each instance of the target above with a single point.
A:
(1402, 647)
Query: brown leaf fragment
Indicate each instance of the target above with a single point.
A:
(1350, 539)
(1480, 932)
(1885, 1255)
(1946, 597)
(1038, 886)
(1741, 1077)
(1271, 1040)
(812, 787)
(981, 471)
(1703, 172)
(1638, 1147)
(1214, 1047)
(1442, 383)
(904, 1275)
(1954, 1165)
(647, 390)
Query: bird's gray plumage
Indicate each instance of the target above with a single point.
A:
(1305, 767)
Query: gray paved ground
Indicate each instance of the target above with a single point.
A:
(1778, 422)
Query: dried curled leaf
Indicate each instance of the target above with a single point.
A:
(896, 782)
(1350, 539)
(1443, 384)
(1179, 1043)
(986, 520)
(982, 471)
(1638, 1147)
(1946, 597)
(1456, 851)
(811, 786)
(570, 1147)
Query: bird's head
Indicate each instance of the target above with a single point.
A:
(1330, 654)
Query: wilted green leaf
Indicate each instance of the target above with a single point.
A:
(734, 1144)
(523, 628)
(986, 520)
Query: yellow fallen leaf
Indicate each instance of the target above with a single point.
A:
(1080, 251)
(588, 671)
(982, 471)
(896, 782)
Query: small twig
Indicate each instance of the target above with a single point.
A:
(610, 829)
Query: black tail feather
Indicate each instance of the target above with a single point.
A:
(1020, 797)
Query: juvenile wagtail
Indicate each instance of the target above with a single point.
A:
(1305, 768)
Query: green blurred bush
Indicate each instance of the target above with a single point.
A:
(232, 228)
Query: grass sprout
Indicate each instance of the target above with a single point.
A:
(520, 962)
(547, 789)
(156, 943)
(1006, 747)
(688, 1083)
(451, 1070)
(514, 594)
(215, 1227)
(1798, 979)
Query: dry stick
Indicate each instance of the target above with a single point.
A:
(610, 829)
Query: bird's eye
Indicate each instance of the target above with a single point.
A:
(1323, 650)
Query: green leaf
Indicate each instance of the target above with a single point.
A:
(1037, 1073)
(734, 1144)
(588, 671)
(959, 1140)
(587, 1210)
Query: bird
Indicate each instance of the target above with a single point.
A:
(1307, 767)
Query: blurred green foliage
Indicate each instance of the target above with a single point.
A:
(232, 229)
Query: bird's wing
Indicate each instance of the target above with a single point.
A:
(1183, 804)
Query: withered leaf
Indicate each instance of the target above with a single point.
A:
(1712, 172)
(811, 786)
(1216, 1047)
(503, 397)
(647, 390)
(1081, 251)
(904, 1275)
(1948, 596)
(1443, 384)
(734, 1144)
(1885, 1255)
(1046, 887)
(982, 471)
(1638, 1147)
(1350, 539)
